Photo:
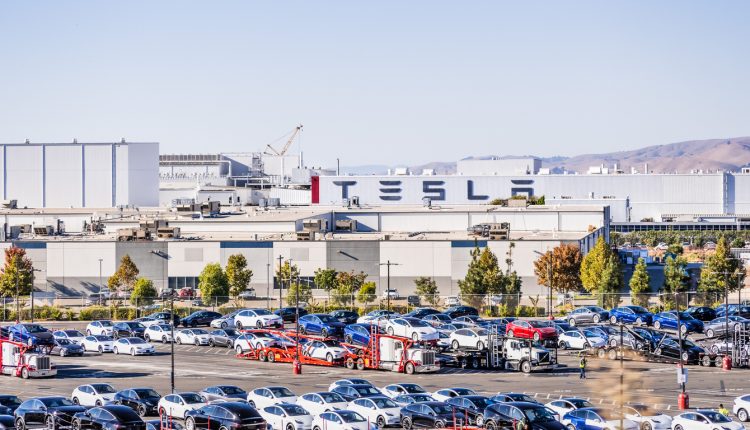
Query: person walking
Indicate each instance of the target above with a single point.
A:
(722, 410)
(582, 367)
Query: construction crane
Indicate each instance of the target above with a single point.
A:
(287, 145)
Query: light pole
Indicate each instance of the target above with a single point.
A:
(281, 281)
(32, 292)
(100, 282)
(171, 344)
(268, 286)
(297, 364)
(549, 281)
(388, 265)
(18, 305)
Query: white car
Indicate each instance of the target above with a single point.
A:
(741, 407)
(100, 327)
(414, 328)
(287, 416)
(701, 419)
(478, 338)
(647, 418)
(257, 318)
(177, 405)
(395, 390)
(226, 321)
(74, 336)
(565, 405)
(447, 393)
(379, 410)
(341, 420)
(93, 394)
(328, 350)
(133, 346)
(247, 341)
(452, 301)
(320, 402)
(390, 293)
(99, 343)
(158, 333)
(268, 396)
(580, 339)
(596, 419)
(376, 315)
(349, 381)
(194, 336)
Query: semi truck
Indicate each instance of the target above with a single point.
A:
(21, 361)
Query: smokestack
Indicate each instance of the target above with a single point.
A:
(645, 167)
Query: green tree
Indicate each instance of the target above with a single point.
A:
(238, 275)
(675, 248)
(675, 281)
(347, 285)
(17, 268)
(610, 283)
(483, 277)
(565, 261)
(600, 273)
(143, 293)
(124, 278)
(326, 280)
(427, 289)
(721, 272)
(366, 293)
(305, 293)
(738, 242)
(287, 273)
(639, 284)
(213, 284)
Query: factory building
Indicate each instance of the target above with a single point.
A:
(79, 175)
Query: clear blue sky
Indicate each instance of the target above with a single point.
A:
(376, 82)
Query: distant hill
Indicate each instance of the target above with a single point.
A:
(682, 157)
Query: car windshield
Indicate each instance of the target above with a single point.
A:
(262, 312)
(580, 403)
(34, 328)
(422, 398)
(146, 392)
(384, 402)
(164, 327)
(480, 402)
(350, 417)
(294, 410)
(538, 324)
(199, 331)
(522, 398)
(103, 388)
(63, 342)
(481, 332)
(10, 401)
(136, 340)
(686, 316)
(191, 398)
(54, 402)
(101, 338)
(539, 415)
(591, 333)
(366, 390)
(73, 333)
(135, 325)
(442, 409)
(715, 417)
(281, 392)
(463, 391)
(412, 388)
(332, 397)
(106, 323)
(231, 389)
(418, 323)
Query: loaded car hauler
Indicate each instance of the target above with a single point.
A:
(20, 360)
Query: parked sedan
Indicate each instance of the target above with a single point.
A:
(320, 402)
(290, 314)
(31, 335)
(257, 318)
(647, 418)
(475, 338)
(48, 412)
(199, 318)
(413, 328)
(471, 407)
(74, 336)
(718, 326)
(341, 420)
(447, 393)
(348, 381)
(587, 314)
(531, 329)
(159, 333)
(395, 390)
(376, 314)
(432, 415)
(668, 320)
(98, 343)
(133, 346)
(742, 311)
(582, 339)
(142, 400)
(8, 404)
(701, 419)
(194, 336)
(513, 397)
(596, 419)
(631, 315)
(229, 415)
(269, 396)
(65, 348)
(223, 337)
(421, 313)
(329, 350)
(703, 313)
(459, 311)
(408, 399)
(741, 407)
(178, 405)
(287, 416)
(516, 414)
(93, 394)
(322, 324)
(109, 417)
(100, 327)
(344, 316)
(379, 410)
(356, 391)
(668, 348)
(436, 320)
(226, 393)
(359, 334)
(128, 329)
(225, 321)
(567, 404)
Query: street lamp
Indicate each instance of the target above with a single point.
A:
(549, 282)
(388, 265)
(32, 292)
(100, 282)
(268, 286)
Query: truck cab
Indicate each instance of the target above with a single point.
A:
(525, 355)
(416, 360)
(26, 364)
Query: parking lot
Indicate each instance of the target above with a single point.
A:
(199, 366)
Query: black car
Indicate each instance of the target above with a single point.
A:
(703, 313)
(669, 348)
(507, 415)
(8, 404)
(289, 314)
(199, 318)
(231, 415)
(142, 400)
(356, 391)
(223, 337)
(346, 317)
(166, 423)
(128, 329)
(459, 311)
(109, 417)
(423, 312)
(742, 311)
(52, 412)
(513, 397)
(66, 348)
(430, 415)
(470, 407)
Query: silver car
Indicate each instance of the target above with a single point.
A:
(227, 321)
(587, 314)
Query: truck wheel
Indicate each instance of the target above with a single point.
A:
(490, 425)
(525, 366)
(706, 361)
(601, 353)
(409, 368)
(25, 373)
(613, 354)
(271, 357)
(475, 363)
(262, 356)
(360, 364)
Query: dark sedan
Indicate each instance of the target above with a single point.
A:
(199, 318)
(289, 314)
(346, 317)
(471, 407)
(669, 348)
(8, 404)
(128, 329)
(718, 326)
(142, 400)
(231, 415)
(356, 391)
(507, 415)
(703, 313)
(223, 337)
(430, 415)
(66, 348)
(31, 334)
(110, 417)
(226, 393)
(459, 311)
(422, 312)
(741, 311)
(52, 412)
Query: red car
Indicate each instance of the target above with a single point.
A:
(532, 329)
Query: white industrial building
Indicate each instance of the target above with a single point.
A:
(80, 175)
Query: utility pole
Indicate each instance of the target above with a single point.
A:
(171, 308)
(18, 304)
(281, 281)
(32, 292)
(622, 374)
(100, 283)
(388, 265)
(268, 286)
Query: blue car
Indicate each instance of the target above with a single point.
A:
(322, 324)
(596, 419)
(31, 335)
(668, 319)
(359, 334)
(631, 315)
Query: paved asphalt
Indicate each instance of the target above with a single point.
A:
(198, 367)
